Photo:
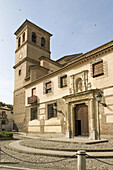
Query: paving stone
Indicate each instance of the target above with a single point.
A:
(66, 164)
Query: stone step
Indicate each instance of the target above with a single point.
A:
(69, 149)
(16, 146)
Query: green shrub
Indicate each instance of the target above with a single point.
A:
(6, 134)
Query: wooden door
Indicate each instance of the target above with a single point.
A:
(81, 120)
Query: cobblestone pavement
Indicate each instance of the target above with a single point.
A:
(65, 164)
(36, 143)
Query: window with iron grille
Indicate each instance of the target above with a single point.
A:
(62, 81)
(48, 87)
(98, 69)
(34, 37)
(33, 113)
(51, 111)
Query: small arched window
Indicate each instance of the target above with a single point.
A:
(19, 41)
(23, 36)
(43, 41)
(34, 37)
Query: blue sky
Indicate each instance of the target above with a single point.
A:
(76, 25)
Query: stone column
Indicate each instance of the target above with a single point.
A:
(92, 120)
(71, 89)
(68, 135)
(97, 120)
(72, 119)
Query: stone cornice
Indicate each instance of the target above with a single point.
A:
(33, 44)
(41, 48)
(50, 61)
(83, 58)
(24, 43)
(84, 93)
(40, 67)
(21, 88)
(68, 56)
(26, 59)
(101, 49)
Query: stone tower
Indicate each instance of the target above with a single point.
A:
(32, 42)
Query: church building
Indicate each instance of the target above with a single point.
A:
(72, 95)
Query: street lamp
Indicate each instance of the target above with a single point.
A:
(99, 98)
(55, 108)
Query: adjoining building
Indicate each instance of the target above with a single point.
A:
(6, 118)
(71, 83)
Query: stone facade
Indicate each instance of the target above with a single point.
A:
(6, 118)
(71, 83)
(27, 54)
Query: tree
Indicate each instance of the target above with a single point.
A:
(8, 105)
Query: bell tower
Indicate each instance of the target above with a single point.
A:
(32, 42)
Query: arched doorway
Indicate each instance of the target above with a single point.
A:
(81, 120)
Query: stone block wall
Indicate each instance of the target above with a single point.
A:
(19, 110)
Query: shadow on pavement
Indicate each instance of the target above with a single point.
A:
(12, 163)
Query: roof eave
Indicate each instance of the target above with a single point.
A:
(25, 23)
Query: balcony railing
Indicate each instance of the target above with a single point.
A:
(32, 99)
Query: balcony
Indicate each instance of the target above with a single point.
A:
(32, 99)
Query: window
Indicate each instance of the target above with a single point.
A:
(3, 122)
(43, 41)
(19, 73)
(34, 37)
(98, 69)
(33, 113)
(62, 81)
(23, 36)
(48, 87)
(4, 115)
(19, 41)
(51, 111)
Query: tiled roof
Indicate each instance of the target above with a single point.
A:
(5, 108)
